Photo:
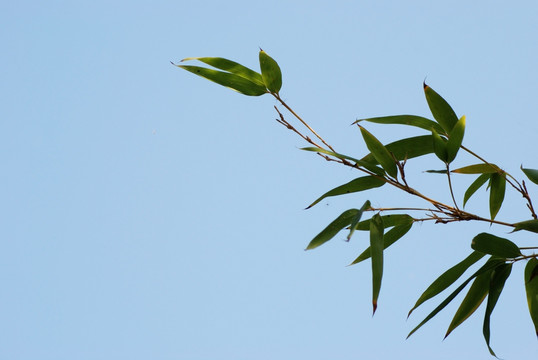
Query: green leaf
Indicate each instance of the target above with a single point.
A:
(531, 287)
(359, 184)
(477, 184)
(333, 228)
(439, 147)
(365, 164)
(492, 263)
(232, 67)
(496, 285)
(455, 139)
(496, 194)
(271, 74)
(411, 120)
(232, 81)
(407, 148)
(357, 218)
(393, 235)
(496, 246)
(478, 169)
(441, 110)
(388, 221)
(532, 174)
(476, 294)
(529, 225)
(447, 278)
(436, 171)
(376, 246)
(380, 152)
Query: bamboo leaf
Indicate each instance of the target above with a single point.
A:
(389, 238)
(232, 67)
(439, 147)
(496, 194)
(332, 229)
(380, 152)
(357, 218)
(365, 164)
(376, 246)
(388, 221)
(441, 110)
(478, 169)
(411, 120)
(455, 139)
(496, 246)
(271, 74)
(532, 174)
(496, 285)
(359, 184)
(447, 278)
(531, 288)
(529, 225)
(407, 148)
(477, 184)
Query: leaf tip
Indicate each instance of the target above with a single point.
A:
(374, 305)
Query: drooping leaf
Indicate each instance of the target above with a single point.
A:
(333, 228)
(496, 246)
(376, 249)
(478, 169)
(477, 184)
(356, 185)
(476, 294)
(232, 67)
(455, 139)
(439, 147)
(389, 238)
(357, 218)
(441, 110)
(529, 225)
(492, 263)
(496, 194)
(411, 120)
(388, 221)
(496, 285)
(436, 171)
(365, 164)
(271, 74)
(407, 148)
(447, 278)
(531, 288)
(380, 152)
(229, 80)
(532, 174)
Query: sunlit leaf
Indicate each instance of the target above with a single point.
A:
(454, 141)
(411, 120)
(447, 278)
(388, 221)
(357, 218)
(380, 152)
(531, 287)
(376, 249)
(477, 184)
(478, 169)
(529, 225)
(333, 228)
(496, 285)
(532, 174)
(496, 246)
(389, 238)
(365, 164)
(439, 146)
(271, 74)
(359, 184)
(407, 148)
(496, 194)
(232, 67)
(441, 110)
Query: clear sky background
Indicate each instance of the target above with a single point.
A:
(150, 214)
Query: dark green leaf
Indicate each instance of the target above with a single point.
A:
(477, 184)
(333, 228)
(407, 148)
(380, 152)
(496, 285)
(439, 147)
(531, 287)
(441, 110)
(478, 169)
(411, 120)
(232, 67)
(532, 174)
(376, 246)
(271, 74)
(393, 235)
(359, 184)
(357, 218)
(447, 278)
(436, 171)
(496, 194)
(232, 81)
(529, 225)
(388, 221)
(365, 164)
(454, 141)
(496, 246)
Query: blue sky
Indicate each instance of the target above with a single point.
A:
(150, 214)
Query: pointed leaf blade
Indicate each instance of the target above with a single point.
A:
(388, 221)
(496, 246)
(389, 238)
(232, 67)
(439, 147)
(407, 148)
(531, 288)
(478, 169)
(376, 249)
(357, 218)
(496, 195)
(441, 110)
(271, 74)
(411, 120)
(455, 139)
(360, 184)
(529, 225)
(477, 184)
(332, 229)
(380, 152)
(532, 174)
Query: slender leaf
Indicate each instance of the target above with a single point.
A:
(477, 184)
(496, 285)
(496, 194)
(271, 74)
(478, 169)
(447, 278)
(531, 288)
(232, 67)
(333, 228)
(436, 171)
(389, 238)
(532, 174)
(376, 246)
(232, 81)
(357, 218)
(475, 296)
(365, 164)
(496, 246)
(359, 184)
(411, 120)
(455, 139)
(529, 225)
(388, 221)
(407, 148)
(441, 110)
(380, 152)
(439, 147)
